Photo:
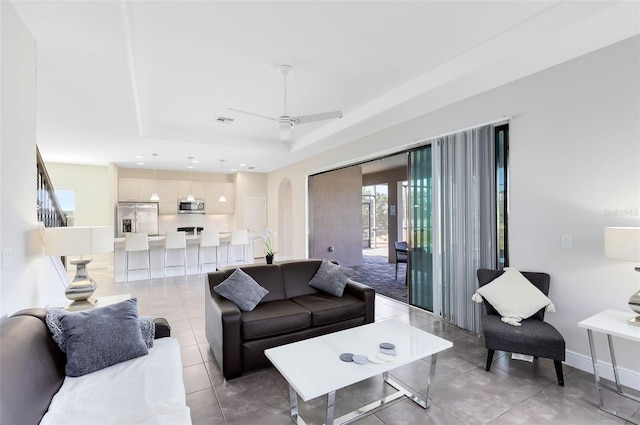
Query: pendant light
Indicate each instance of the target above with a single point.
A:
(154, 195)
(190, 198)
(222, 198)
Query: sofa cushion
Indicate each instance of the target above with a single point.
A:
(326, 309)
(331, 278)
(102, 337)
(242, 290)
(274, 318)
(145, 390)
(268, 276)
(296, 275)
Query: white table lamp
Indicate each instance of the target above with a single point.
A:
(623, 243)
(64, 241)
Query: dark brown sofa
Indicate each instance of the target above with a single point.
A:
(291, 311)
(32, 367)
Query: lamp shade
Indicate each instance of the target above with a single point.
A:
(63, 241)
(622, 243)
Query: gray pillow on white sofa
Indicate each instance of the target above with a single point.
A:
(331, 278)
(242, 290)
(102, 337)
(147, 327)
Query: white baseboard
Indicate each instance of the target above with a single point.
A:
(628, 378)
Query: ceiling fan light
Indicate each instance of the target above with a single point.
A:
(285, 130)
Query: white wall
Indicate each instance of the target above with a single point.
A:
(30, 279)
(575, 156)
(90, 184)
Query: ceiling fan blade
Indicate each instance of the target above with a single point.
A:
(254, 114)
(316, 117)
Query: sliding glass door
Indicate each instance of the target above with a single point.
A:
(420, 267)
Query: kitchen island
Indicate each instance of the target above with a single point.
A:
(138, 260)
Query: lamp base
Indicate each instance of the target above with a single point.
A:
(80, 305)
(634, 304)
(635, 321)
(82, 286)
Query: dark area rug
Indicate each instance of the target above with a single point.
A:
(378, 273)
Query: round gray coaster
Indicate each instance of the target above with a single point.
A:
(346, 357)
(391, 352)
(360, 359)
(387, 345)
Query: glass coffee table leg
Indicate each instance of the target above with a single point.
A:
(331, 401)
(430, 378)
(293, 400)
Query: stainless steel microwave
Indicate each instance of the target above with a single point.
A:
(190, 207)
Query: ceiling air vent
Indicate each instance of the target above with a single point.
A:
(224, 120)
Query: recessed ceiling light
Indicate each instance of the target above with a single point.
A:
(243, 165)
(139, 163)
(234, 169)
(139, 157)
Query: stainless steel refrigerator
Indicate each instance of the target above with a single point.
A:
(137, 217)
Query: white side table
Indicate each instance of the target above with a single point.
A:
(611, 323)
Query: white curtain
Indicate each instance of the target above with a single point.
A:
(465, 220)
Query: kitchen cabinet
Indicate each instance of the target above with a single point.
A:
(147, 188)
(168, 192)
(128, 189)
(212, 194)
(185, 188)
(132, 189)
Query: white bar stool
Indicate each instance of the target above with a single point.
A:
(175, 240)
(135, 242)
(208, 239)
(239, 237)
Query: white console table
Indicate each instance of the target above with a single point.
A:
(611, 323)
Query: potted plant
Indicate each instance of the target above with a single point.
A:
(268, 245)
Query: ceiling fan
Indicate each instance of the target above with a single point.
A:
(286, 122)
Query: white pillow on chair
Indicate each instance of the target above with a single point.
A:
(513, 296)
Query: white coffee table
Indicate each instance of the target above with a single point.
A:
(313, 367)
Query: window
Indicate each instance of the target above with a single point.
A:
(67, 201)
(502, 179)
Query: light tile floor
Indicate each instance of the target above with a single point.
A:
(514, 392)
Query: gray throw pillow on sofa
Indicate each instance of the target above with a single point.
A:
(147, 327)
(242, 290)
(102, 337)
(331, 278)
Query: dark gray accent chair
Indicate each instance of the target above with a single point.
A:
(534, 337)
(402, 254)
